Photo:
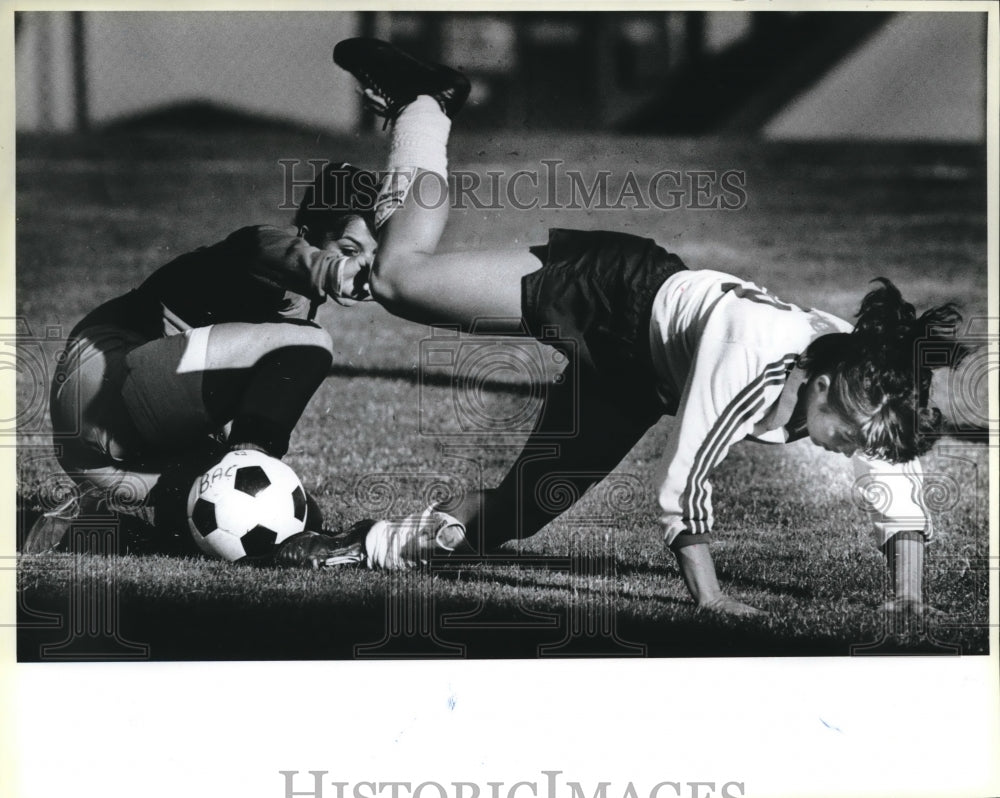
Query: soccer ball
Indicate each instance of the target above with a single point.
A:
(245, 505)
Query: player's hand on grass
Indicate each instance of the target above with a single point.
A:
(730, 606)
(698, 571)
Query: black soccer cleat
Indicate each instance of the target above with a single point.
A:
(316, 550)
(392, 79)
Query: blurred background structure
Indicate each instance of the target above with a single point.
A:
(784, 75)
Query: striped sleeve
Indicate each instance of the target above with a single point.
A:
(728, 390)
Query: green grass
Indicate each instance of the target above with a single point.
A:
(95, 215)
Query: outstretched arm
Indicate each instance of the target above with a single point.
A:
(729, 388)
(280, 257)
(698, 570)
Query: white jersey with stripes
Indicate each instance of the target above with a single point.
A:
(722, 350)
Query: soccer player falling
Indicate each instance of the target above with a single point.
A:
(161, 369)
(219, 350)
(648, 338)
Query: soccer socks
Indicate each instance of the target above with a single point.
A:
(278, 390)
(419, 140)
(420, 137)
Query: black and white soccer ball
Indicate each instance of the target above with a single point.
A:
(245, 506)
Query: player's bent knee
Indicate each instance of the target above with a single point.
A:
(318, 338)
(395, 278)
(304, 334)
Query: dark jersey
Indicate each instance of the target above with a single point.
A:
(257, 274)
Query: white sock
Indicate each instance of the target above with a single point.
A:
(419, 140)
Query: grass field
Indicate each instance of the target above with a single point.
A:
(97, 214)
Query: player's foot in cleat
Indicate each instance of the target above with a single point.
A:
(410, 542)
(319, 550)
(391, 79)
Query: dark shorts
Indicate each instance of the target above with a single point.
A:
(592, 299)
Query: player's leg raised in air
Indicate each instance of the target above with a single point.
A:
(223, 336)
(647, 337)
(409, 277)
(485, 290)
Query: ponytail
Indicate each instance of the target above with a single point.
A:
(881, 371)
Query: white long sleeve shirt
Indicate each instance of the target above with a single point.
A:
(722, 349)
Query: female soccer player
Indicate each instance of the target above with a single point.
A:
(218, 349)
(648, 338)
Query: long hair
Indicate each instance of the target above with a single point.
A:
(880, 373)
(339, 193)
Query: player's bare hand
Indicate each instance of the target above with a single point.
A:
(730, 606)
